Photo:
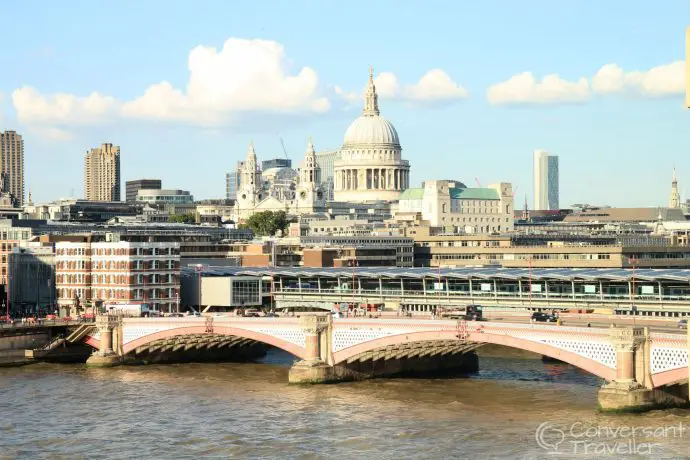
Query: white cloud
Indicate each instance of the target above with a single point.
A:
(244, 76)
(387, 85)
(350, 96)
(61, 108)
(663, 80)
(51, 134)
(434, 86)
(524, 89)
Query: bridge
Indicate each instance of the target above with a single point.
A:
(642, 368)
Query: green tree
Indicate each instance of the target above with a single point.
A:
(182, 219)
(267, 223)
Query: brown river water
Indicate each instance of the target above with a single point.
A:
(244, 410)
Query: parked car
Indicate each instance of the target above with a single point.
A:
(540, 317)
(683, 324)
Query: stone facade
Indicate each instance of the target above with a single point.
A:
(445, 203)
(370, 167)
(303, 194)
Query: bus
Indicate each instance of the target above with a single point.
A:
(467, 313)
(132, 309)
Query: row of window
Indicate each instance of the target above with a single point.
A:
(521, 256)
(116, 251)
(81, 278)
(117, 265)
(106, 295)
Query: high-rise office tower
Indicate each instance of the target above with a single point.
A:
(232, 182)
(102, 173)
(545, 181)
(12, 163)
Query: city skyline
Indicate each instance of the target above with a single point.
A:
(606, 100)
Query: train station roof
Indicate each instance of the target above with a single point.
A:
(464, 273)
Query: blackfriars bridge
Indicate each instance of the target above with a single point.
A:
(641, 368)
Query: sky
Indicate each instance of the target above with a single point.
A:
(473, 88)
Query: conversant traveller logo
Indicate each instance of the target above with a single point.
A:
(585, 439)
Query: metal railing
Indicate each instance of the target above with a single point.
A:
(15, 324)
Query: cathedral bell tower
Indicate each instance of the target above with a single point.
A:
(249, 194)
(309, 191)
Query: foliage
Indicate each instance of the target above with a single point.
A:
(267, 223)
(182, 219)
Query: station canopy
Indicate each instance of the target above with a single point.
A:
(464, 273)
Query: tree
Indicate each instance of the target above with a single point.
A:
(267, 223)
(182, 219)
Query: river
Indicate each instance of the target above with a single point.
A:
(249, 411)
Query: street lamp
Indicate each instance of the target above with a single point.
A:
(633, 307)
(199, 268)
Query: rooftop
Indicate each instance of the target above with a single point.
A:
(583, 274)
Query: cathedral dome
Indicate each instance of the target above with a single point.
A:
(371, 129)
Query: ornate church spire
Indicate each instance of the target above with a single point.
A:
(310, 148)
(251, 153)
(674, 199)
(371, 99)
(311, 172)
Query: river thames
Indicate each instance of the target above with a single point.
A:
(249, 411)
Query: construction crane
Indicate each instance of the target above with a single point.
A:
(283, 144)
(478, 183)
(515, 190)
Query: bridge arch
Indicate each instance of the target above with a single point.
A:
(581, 362)
(296, 350)
(670, 377)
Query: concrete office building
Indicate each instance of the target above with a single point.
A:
(12, 163)
(164, 196)
(545, 181)
(102, 173)
(133, 186)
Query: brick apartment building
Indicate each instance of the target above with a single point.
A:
(90, 274)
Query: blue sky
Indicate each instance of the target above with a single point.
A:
(618, 135)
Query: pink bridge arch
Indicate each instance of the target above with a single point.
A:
(670, 377)
(581, 362)
(128, 347)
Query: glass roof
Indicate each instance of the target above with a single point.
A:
(464, 273)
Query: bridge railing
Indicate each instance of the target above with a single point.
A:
(43, 323)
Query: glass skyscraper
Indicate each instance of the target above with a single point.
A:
(545, 181)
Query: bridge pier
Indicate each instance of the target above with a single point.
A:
(632, 389)
(108, 326)
(316, 366)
